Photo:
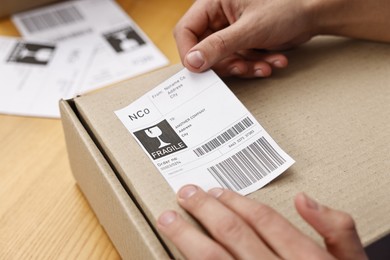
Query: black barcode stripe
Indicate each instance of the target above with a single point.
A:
(54, 18)
(247, 166)
(272, 152)
(224, 137)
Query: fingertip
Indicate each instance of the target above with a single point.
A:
(299, 199)
(279, 64)
(187, 191)
(194, 60)
(258, 73)
(167, 218)
(216, 192)
(237, 68)
(309, 202)
(278, 60)
(307, 207)
(261, 69)
(235, 71)
(299, 202)
(337, 228)
(244, 69)
(263, 72)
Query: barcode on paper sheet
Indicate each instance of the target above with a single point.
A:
(224, 137)
(54, 18)
(247, 166)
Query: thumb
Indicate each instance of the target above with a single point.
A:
(216, 47)
(336, 227)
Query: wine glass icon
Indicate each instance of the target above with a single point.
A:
(125, 44)
(155, 132)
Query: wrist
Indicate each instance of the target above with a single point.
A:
(325, 16)
(351, 18)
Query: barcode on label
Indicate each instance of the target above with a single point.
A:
(224, 137)
(54, 18)
(247, 166)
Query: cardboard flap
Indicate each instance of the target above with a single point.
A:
(116, 211)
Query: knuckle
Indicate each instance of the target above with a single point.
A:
(261, 215)
(230, 227)
(178, 28)
(343, 224)
(218, 43)
(345, 221)
(174, 32)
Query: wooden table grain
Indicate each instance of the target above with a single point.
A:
(43, 214)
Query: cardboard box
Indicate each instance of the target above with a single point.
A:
(330, 110)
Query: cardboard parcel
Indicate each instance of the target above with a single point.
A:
(329, 110)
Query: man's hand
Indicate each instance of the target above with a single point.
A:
(241, 228)
(226, 35)
(234, 37)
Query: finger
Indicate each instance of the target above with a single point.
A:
(190, 241)
(201, 20)
(240, 67)
(224, 225)
(191, 26)
(336, 227)
(277, 60)
(217, 46)
(279, 234)
(274, 58)
(250, 64)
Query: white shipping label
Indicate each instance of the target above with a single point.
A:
(35, 75)
(119, 48)
(196, 131)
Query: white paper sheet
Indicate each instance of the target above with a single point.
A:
(195, 131)
(35, 75)
(120, 48)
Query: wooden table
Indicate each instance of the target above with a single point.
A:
(43, 214)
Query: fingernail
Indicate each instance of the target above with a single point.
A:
(216, 192)
(195, 59)
(310, 203)
(235, 71)
(277, 63)
(259, 73)
(167, 218)
(187, 191)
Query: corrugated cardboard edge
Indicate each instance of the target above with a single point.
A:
(117, 213)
